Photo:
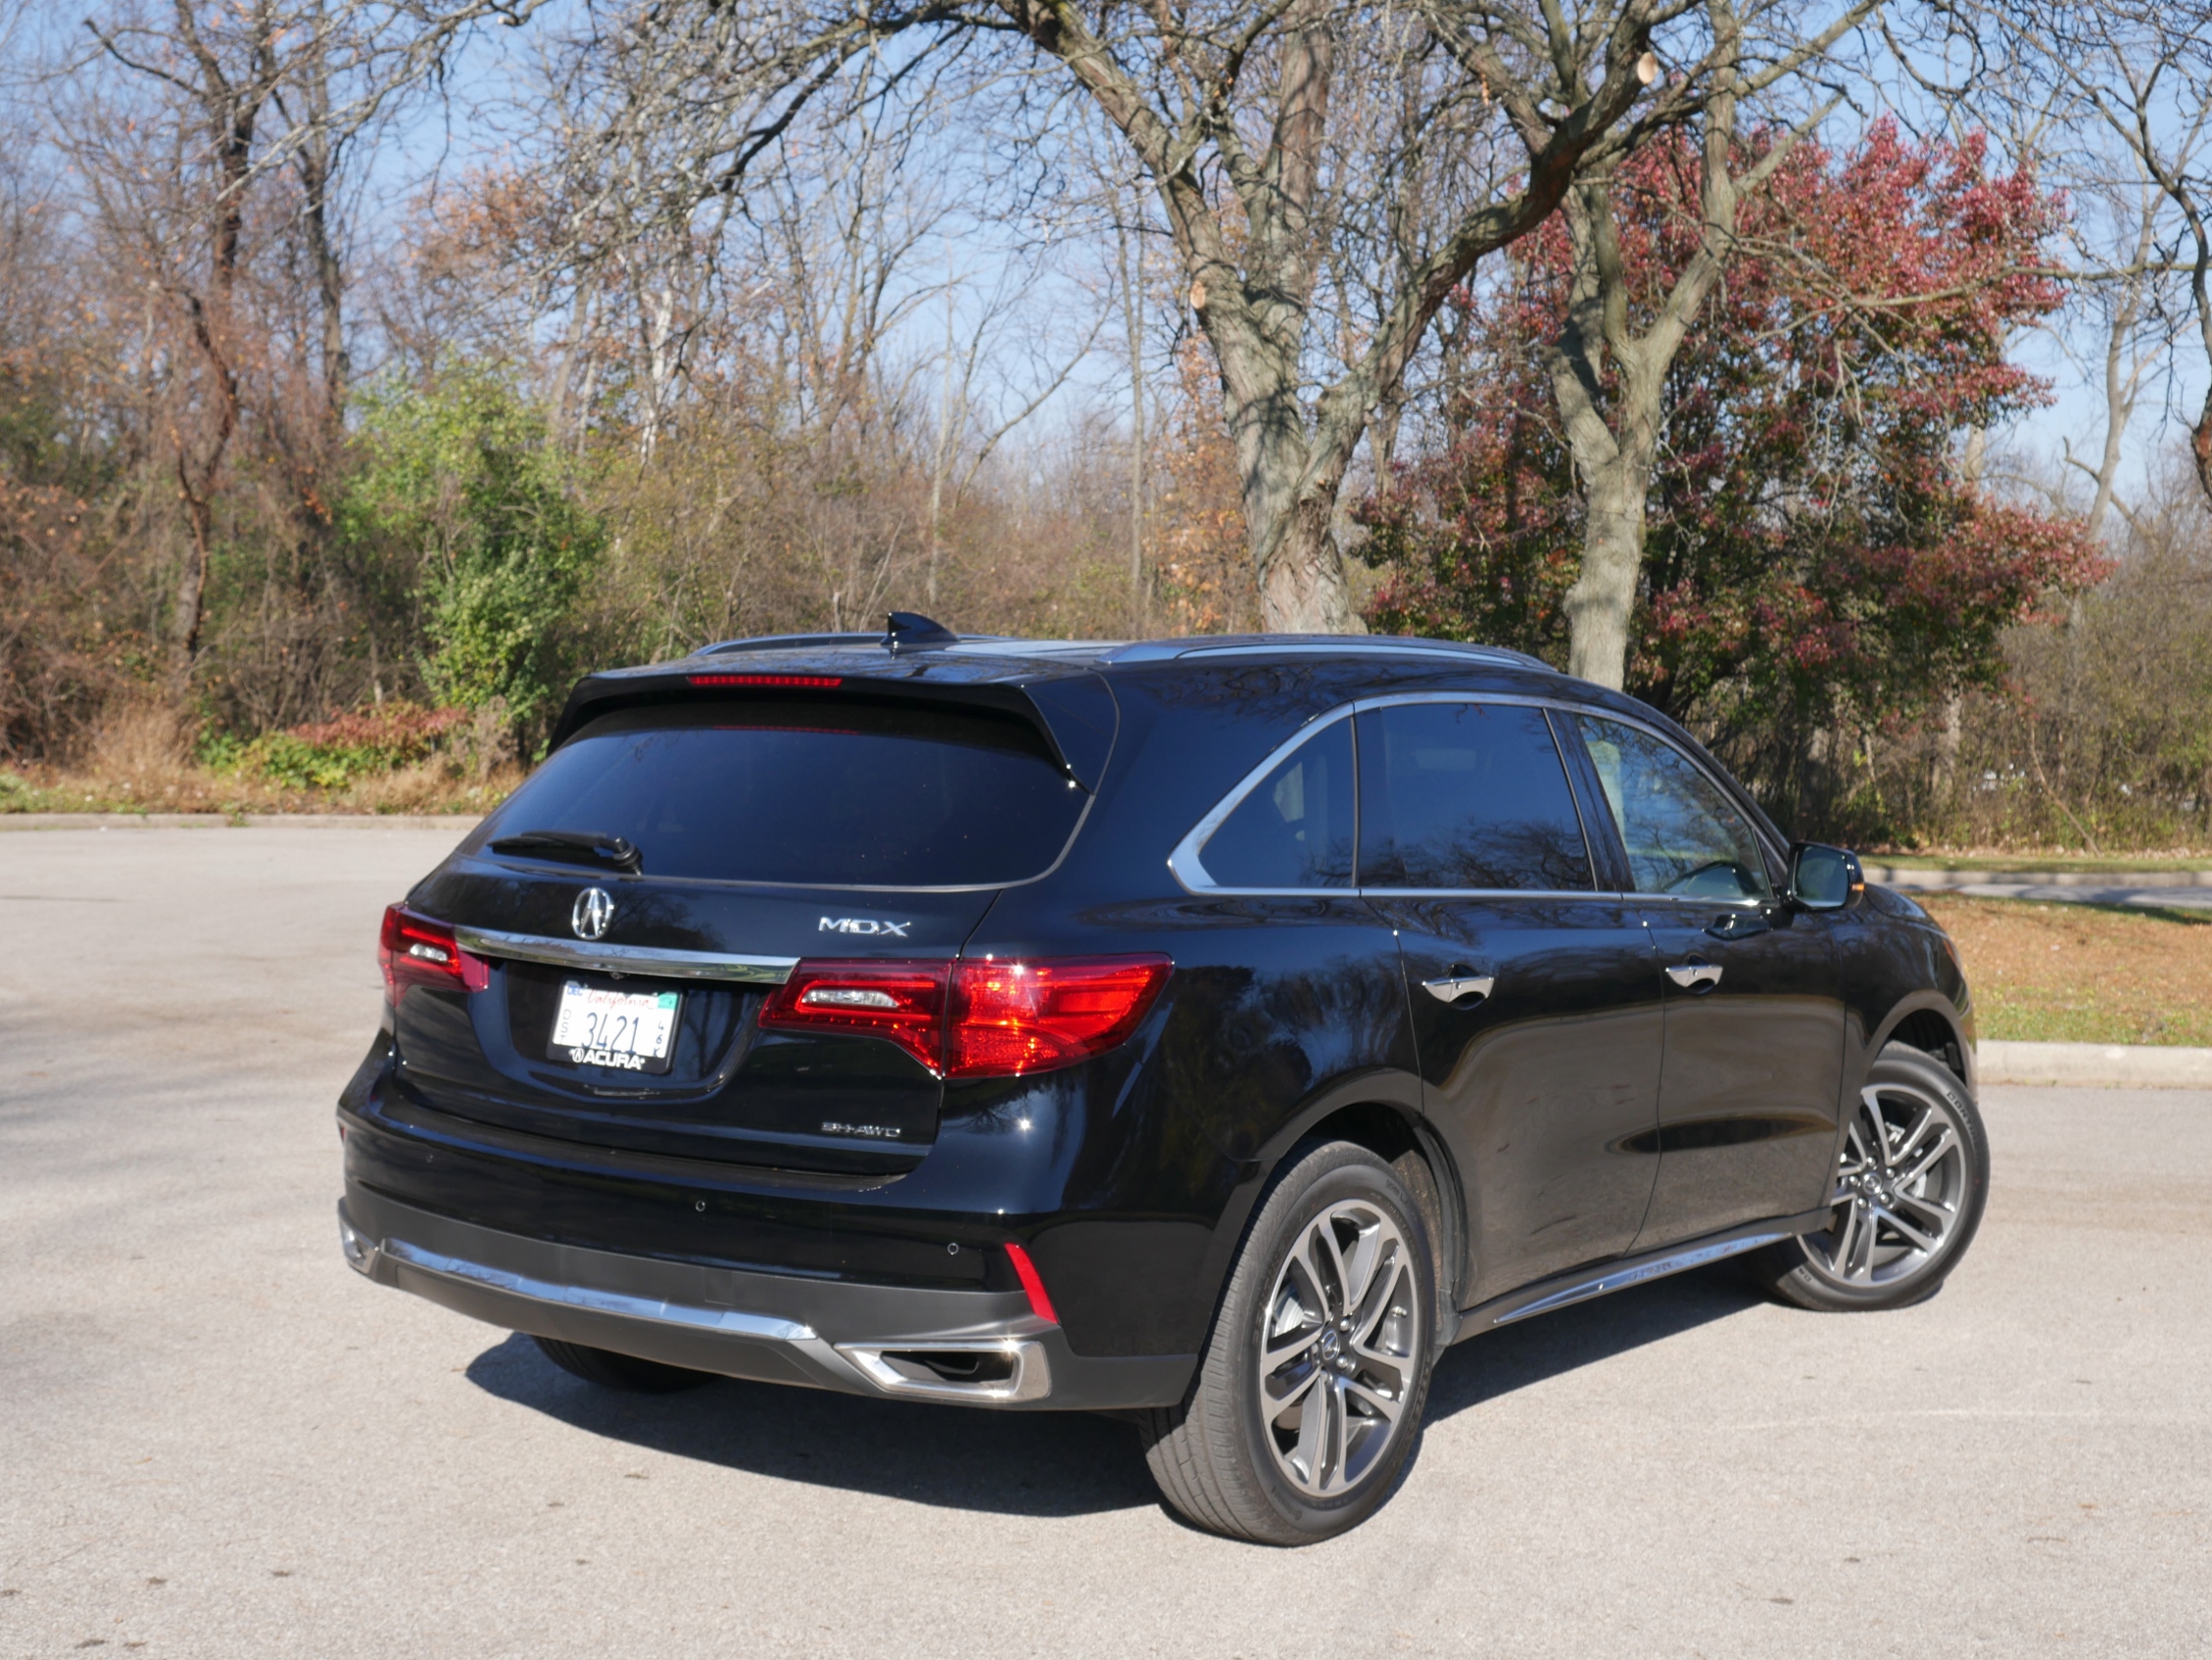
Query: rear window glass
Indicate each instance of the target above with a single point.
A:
(808, 792)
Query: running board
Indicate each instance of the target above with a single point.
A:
(1581, 1284)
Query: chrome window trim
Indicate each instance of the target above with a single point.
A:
(1183, 863)
(602, 958)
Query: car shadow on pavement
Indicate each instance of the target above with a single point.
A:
(1497, 1362)
(965, 1457)
(1040, 1464)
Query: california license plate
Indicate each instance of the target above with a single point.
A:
(598, 1027)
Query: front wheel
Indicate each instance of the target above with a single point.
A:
(1910, 1187)
(1308, 1397)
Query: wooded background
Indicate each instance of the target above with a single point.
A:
(1835, 376)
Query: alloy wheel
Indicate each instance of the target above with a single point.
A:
(1901, 1189)
(1340, 1350)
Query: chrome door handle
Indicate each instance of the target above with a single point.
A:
(1691, 976)
(1452, 986)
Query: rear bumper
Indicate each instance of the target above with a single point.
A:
(982, 1348)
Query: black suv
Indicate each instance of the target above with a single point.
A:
(1206, 1031)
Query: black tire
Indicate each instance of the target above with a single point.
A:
(625, 1372)
(1884, 1268)
(1220, 1458)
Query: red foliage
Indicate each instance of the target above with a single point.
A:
(1815, 551)
(398, 729)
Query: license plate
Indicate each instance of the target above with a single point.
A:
(598, 1027)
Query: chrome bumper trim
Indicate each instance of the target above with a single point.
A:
(729, 1320)
(626, 959)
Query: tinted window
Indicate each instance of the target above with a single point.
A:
(810, 792)
(1682, 834)
(1294, 830)
(1466, 795)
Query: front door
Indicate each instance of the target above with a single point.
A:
(1748, 1091)
(1535, 999)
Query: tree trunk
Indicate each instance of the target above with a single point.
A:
(1291, 532)
(1603, 597)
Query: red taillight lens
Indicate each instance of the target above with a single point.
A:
(1013, 1017)
(904, 1002)
(417, 951)
(809, 680)
(974, 1019)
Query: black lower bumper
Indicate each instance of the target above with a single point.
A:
(978, 1348)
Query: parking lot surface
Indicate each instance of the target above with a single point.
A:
(215, 1440)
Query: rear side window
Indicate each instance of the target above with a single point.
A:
(1294, 827)
(809, 793)
(1466, 795)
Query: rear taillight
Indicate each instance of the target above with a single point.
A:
(904, 1002)
(987, 1019)
(1013, 1017)
(414, 950)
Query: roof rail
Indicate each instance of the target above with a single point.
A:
(1388, 644)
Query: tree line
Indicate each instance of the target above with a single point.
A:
(1683, 342)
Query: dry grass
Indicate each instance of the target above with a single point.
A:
(2060, 973)
(140, 761)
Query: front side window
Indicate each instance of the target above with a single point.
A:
(1466, 795)
(1294, 827)
(1683, 835)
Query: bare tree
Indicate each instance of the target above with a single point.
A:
(1235, 115)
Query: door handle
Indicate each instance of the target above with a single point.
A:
(1450, 988)
(1695, 976)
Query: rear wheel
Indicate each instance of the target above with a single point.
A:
(1911, 1184)
(1308, 1398)
(625, 1372)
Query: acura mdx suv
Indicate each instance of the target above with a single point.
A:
(1203, 1031)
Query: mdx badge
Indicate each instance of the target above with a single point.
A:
(865, 925)
(594, 911)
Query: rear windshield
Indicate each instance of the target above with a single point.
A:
(812, 793)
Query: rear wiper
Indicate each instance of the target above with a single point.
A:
(582, 848)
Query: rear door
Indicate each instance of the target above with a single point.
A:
(1534, 996)
(1748, 1093)
(766, 829)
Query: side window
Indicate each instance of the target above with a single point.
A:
(1682, 835)
(1295, 829)
(1466, 795)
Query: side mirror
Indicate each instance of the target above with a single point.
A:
(1823, 878)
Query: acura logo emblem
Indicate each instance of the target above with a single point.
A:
(594, 911)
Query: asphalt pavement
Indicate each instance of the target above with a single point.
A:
(215, 1440)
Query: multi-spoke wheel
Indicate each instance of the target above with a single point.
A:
(1309, 1393)
(1910, 1187)
(1341, 1337)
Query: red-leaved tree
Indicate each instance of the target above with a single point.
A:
(1821, 562)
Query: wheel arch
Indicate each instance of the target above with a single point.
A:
(1380, 1111)
(1928, 1021)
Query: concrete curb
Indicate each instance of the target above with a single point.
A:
(245, 820)
(1914, 875)
(2098, 1065)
